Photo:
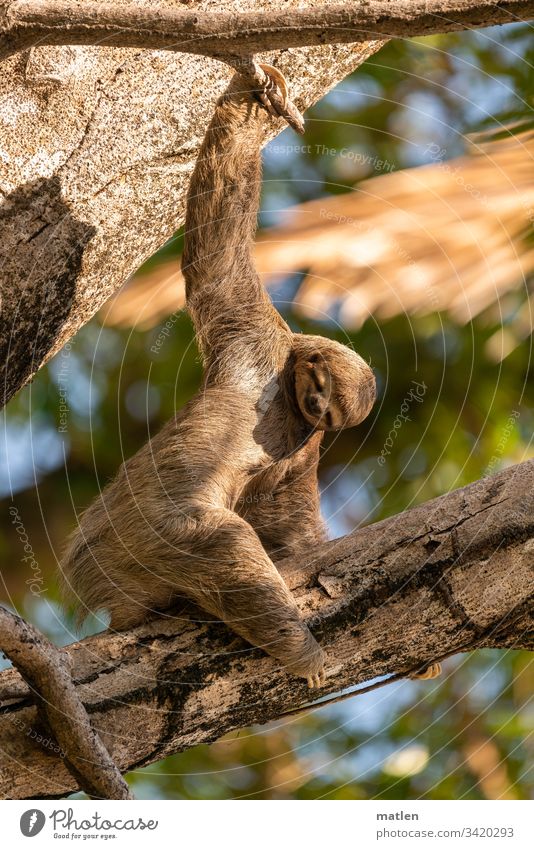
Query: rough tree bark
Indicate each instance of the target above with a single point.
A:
(212, 33)
(451, 575)
(97, 143)
(47, 671)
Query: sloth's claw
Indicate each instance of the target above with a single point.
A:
(432, 671)
(275, 80)
(317, 680)
(272, 92)
(266, 103)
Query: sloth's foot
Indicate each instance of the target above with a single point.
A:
(317, 680)
(272, 93)
(432, 671)
(305, 658)
(275, 86)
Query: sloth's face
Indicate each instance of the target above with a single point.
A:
(334, 387)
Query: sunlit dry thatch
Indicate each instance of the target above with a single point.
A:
(447, 237)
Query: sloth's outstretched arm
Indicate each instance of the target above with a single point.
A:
(224, 294)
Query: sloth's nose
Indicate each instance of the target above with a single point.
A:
(315, 404)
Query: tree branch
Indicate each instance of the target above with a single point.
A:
(221, 34)
(449, 576)
(46, 670)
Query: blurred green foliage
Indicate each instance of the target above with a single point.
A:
(466, 736)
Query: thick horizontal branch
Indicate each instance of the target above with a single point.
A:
(24, 23)
(448, 576)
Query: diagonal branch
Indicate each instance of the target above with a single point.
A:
(449, 576)
(24, 23)
(46, 669)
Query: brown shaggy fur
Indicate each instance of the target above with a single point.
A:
(230, 483)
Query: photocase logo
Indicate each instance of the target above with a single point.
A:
(32, 822)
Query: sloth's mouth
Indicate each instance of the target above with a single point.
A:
(317, 407)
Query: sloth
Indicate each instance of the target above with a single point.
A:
(229, 486)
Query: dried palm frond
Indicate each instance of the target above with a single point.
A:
(447, 237)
